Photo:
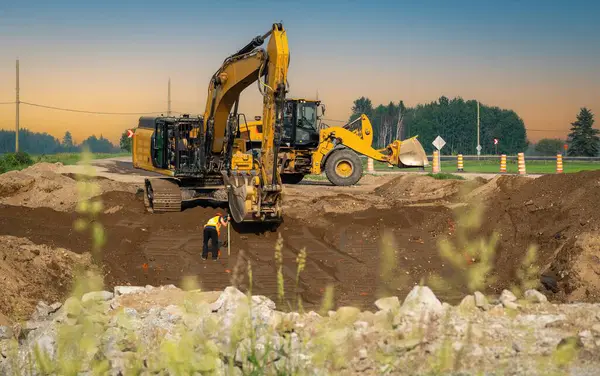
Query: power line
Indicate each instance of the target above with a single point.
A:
(91, 112)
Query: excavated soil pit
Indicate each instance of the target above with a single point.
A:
(341, 235)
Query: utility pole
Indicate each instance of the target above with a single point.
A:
(17, 113)
(478, 143)
(169, 99)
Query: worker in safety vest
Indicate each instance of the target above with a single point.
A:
(212, 231)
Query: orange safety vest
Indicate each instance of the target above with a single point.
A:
(214, 222)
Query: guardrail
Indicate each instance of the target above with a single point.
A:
(511, 157)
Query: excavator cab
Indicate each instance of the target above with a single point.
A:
(300, 124)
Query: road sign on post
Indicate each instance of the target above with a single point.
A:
(478, 149)
(496, 144)
(129, 133)
(439, 144)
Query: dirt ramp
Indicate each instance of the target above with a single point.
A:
(410, 188)
(41, 185)
(30, 272)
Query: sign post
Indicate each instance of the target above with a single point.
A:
(496, 145)
(129, 133)
(439, 144)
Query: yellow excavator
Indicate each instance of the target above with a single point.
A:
(202, 157)
(311, 147)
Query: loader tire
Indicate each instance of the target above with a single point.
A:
(291, 178)
(343, 168)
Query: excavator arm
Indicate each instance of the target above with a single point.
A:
(254, 196)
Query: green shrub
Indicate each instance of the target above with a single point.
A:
(15, 161)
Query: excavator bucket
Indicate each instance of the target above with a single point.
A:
(236, 195)
(411, 153)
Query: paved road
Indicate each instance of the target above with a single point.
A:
(121, 169)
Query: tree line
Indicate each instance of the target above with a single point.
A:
(44, 143)
(455, 120)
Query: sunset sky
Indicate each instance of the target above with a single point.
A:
(539, 59)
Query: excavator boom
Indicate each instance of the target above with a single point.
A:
(256, 194)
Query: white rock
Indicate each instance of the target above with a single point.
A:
(97, 296)
(46, 344)
(391, 303)
(507, 296)
(263, 301)
(55, 307)
(124, 290)
(5, 332)
(467, 303)
(535, 296)
(362, 353)
(361, 325)
(229, 300)
(481, 301)
(420, 300)
(476, 351)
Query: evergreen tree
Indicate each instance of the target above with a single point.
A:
(125, 142)
(583, 139)
(67, 141)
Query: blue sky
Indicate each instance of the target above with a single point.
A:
(524, 55)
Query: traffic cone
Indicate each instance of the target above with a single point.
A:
(559, 164)
(435, 165)
(460, 166)
(521, 162)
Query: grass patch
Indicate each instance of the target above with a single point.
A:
(21, 160)
(445, 176)
(74, 158)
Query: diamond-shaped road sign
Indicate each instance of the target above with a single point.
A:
(129, 133)
(479, 147)
(439, 143)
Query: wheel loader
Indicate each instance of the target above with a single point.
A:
(311, 147)
(200, 157)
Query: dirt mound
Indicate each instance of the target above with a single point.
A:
(553, 212)
(500, 183)
(41, 185)
(412, 187)
(30, 273)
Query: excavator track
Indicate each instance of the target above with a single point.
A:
(162, 195)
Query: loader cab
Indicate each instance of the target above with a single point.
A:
(300, 124)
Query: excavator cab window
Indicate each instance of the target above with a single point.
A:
(160, 142)
(307, 133)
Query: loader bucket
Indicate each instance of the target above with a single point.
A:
(412, 154)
